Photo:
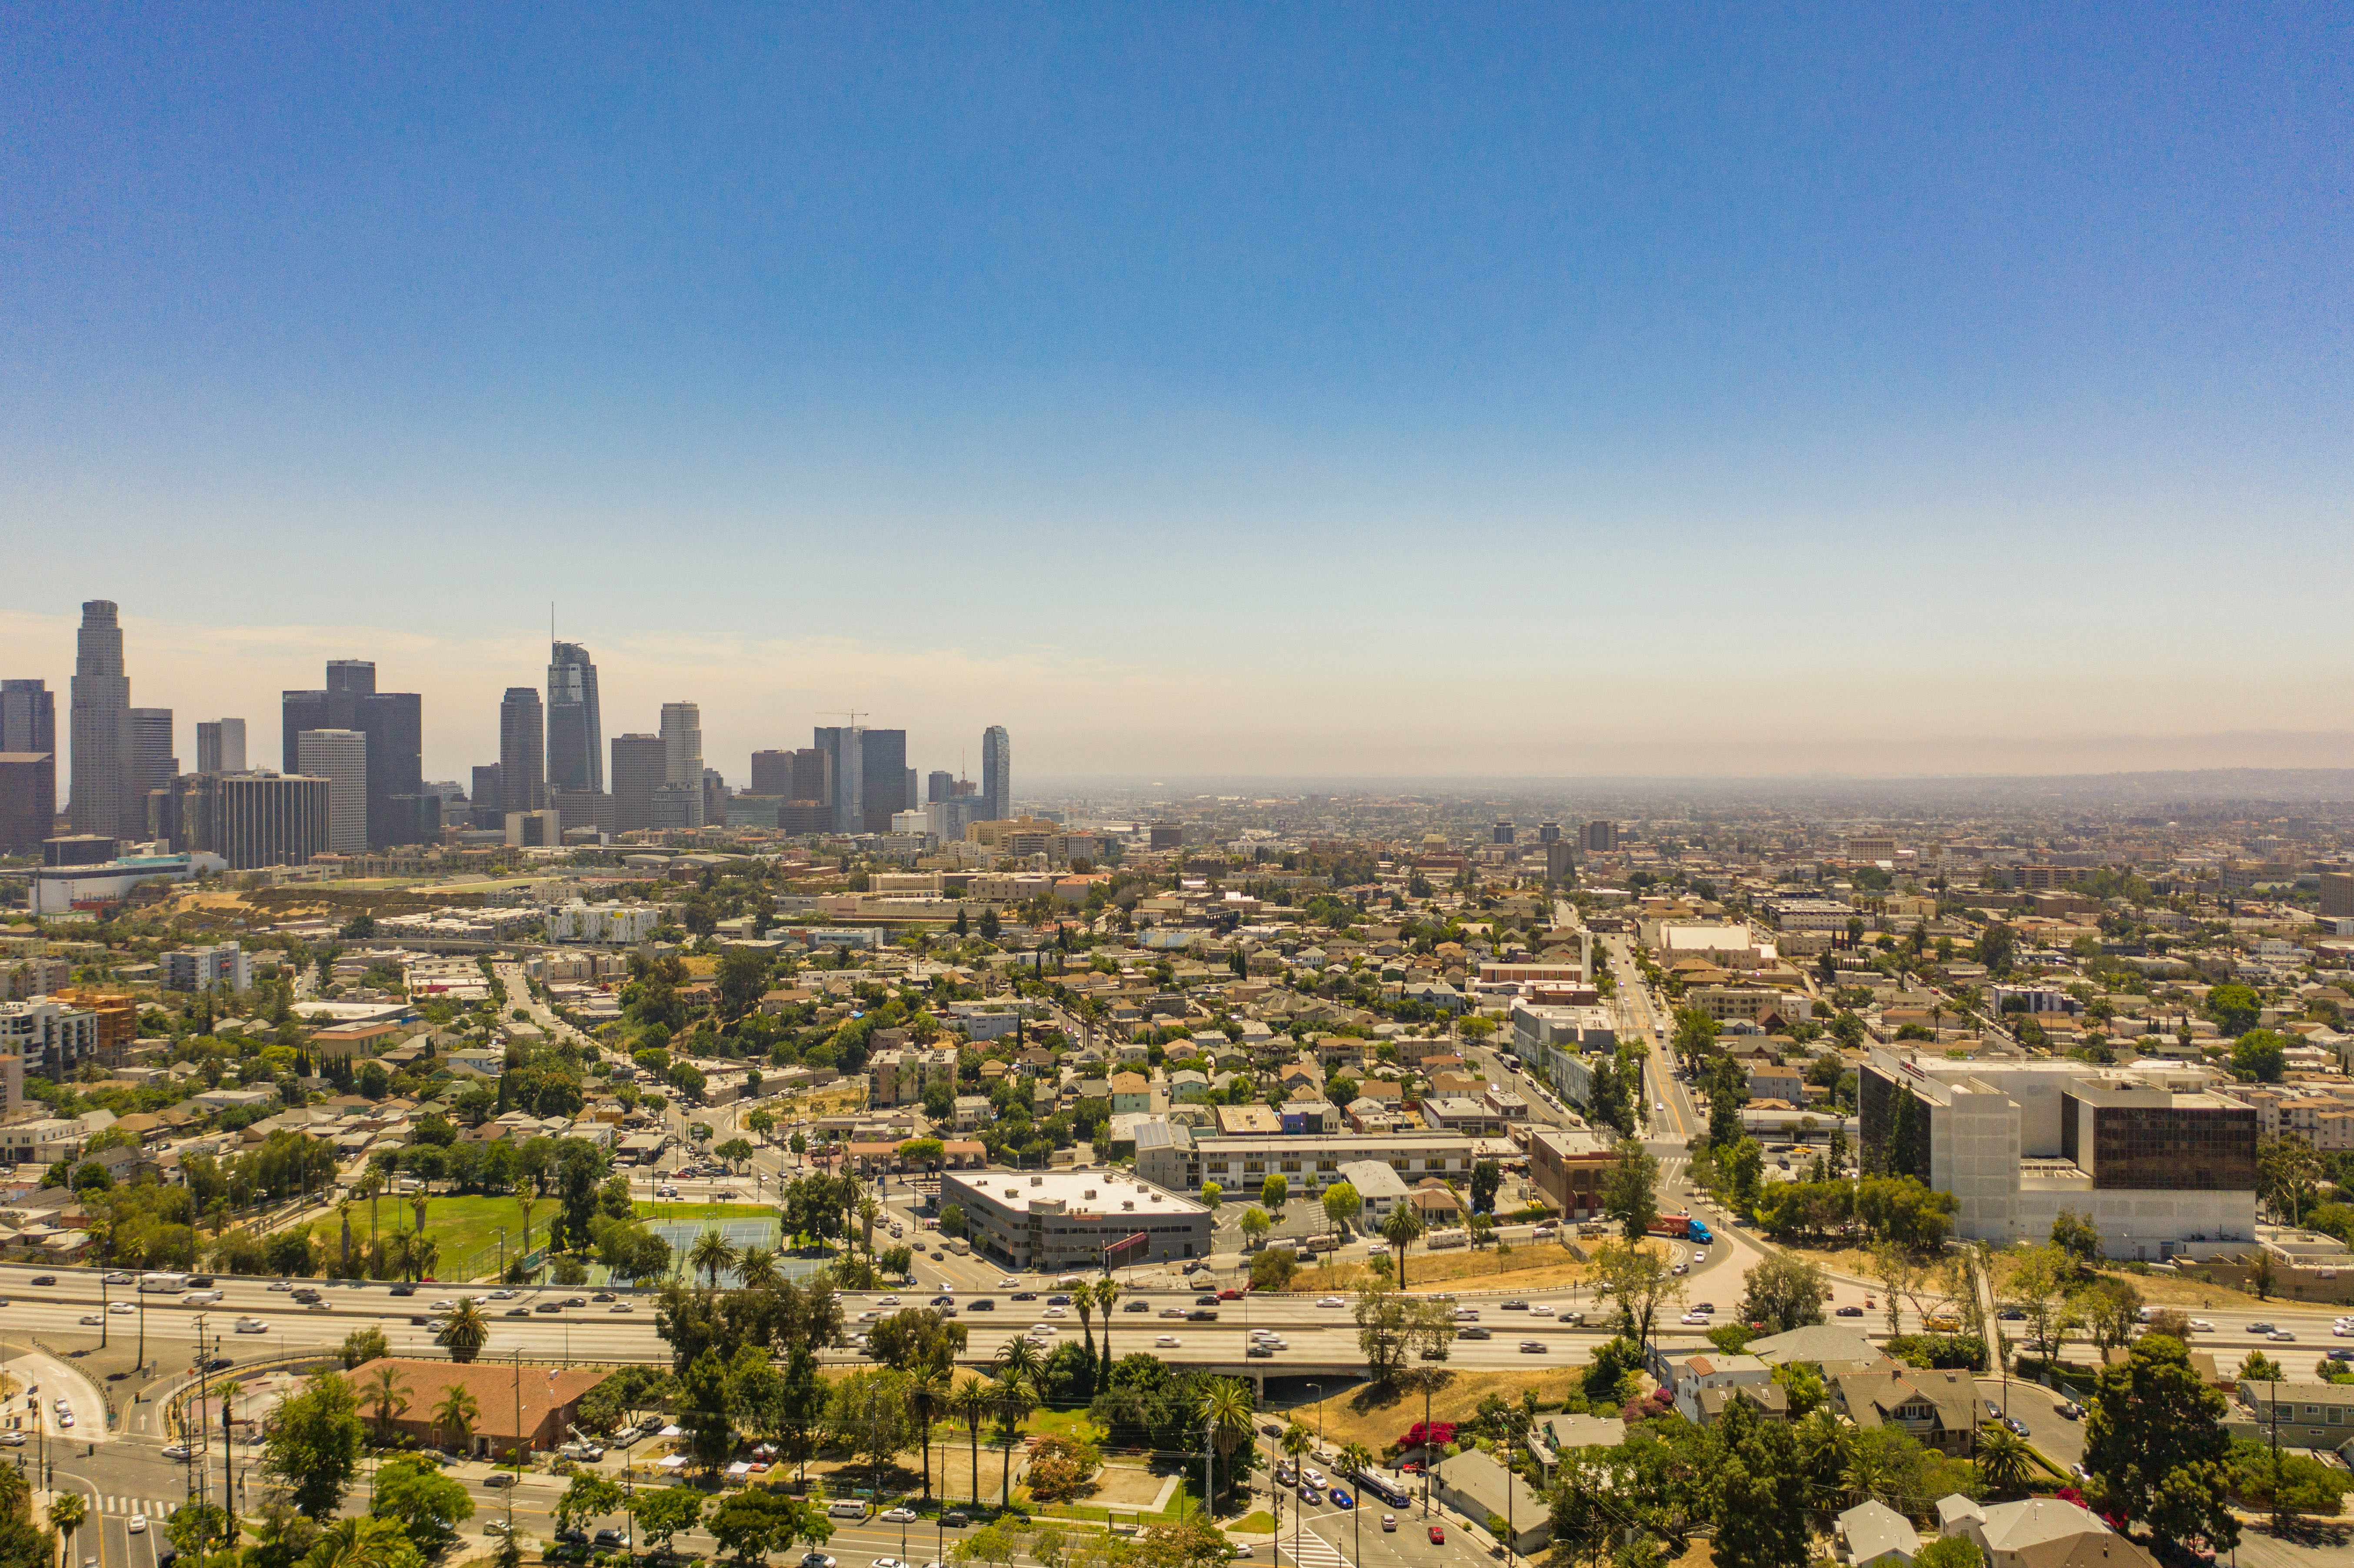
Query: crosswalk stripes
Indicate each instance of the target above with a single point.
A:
(1313, 1552)
(149, 1508)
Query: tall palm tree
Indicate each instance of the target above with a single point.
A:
(458, 1412)
(466, 1330)
(1228, 1409)
(372, 1188)
(360, 1542)
(869, 1211)
(2003, 1463)
(927, 1398)
(526, 1200)
(1357, 1459)
(1297, 1441)
(15, 1493)
(416, 1207)
(1400, 1230)
(711, 1252)
(66, 1511)
(1107, 1290)
(1084, 1298)
(384, 1390)
(972, 1401)
(1019, 1359)
(1014, 1400)
(757, 1269)
(1867, 1474)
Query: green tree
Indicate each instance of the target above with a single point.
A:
(313, 1444)
(1274, 1192)
(1784, 1293)
(1950, 1551)
(2288, 1175)
(2235, 1008)
(1487, 1180)
(590, 1496)
(1401, 1230)
(386, 1394)
(1760, 1491)
(365, 1543)
(751, 1523)
(1256, 1225)
(466, 1330)
(1341, 1207)
(661, 1512)
(1630, 1190)
(2154, 1442)
(2261, 1054)
(427, 1504)
(2076, 1236)
(456, 1414)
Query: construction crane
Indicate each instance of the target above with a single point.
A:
(849, 714)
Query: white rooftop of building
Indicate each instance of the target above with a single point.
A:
(1080, 1191)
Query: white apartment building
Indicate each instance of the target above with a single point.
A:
(49, 1037)
(199, 969)
(901, 1077)
(620, 925)
(1308, 1161)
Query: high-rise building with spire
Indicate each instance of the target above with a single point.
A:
(100, 723)
(576, 734)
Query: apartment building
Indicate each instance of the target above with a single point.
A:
(1569, 1168)
(49, 1036)
(1749, 1003)
(900, 1077)
(221, 964)
(623, 925)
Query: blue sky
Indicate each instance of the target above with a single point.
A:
(1521, 390)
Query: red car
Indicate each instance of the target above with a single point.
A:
(1230, 1294)
(1438, 1535)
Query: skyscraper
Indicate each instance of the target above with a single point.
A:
(487, 807)
(682, 733)
(772, 774)
(576, 731)
(152, 765)
(939, 786)
(28, 766)
(394, 724)
(813, 775)
(220, 746)
(341, 757)
(996, 774)
(523, 750)
(101, 728)
(639, 762)
(882, 767)
(846, 778)
(257, 819)
(29, 716)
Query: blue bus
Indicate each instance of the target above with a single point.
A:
(1387, 1491)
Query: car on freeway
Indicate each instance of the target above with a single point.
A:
(1058, 1312)
(444, 1305)
(1703, 1306)
(1331, 1301)
(1474, 1334)
(2201, 1326)
(604, 1295)
(404, 1290)
(900, 1516)
(1172, 1311)
(1694, 1319)
(251, 1326)
(123, 1308)
(517, 1312)
(503, 1295)
(1168, 1340)
(119, 1277)
(1513, 1307)
(1139, 1305)
(621, 1307)
(1438, 1535)
(92, 1319)
(1540, 1309)
(1058, 1300)
(1024, 1295)
(1467, 1314)
(1009, 1284)
(1260, 1351)
(2281, 1337)
(1230, 1294)
(42, 1279)
(575, 1301)
(2261, 1328)
(550, 1306)
(1850, 1311)
(886, 1301)
(983, 1304)
(1533, 1347)
(281, 1285)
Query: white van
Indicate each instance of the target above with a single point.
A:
(846, 1509)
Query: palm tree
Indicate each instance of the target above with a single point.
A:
(360, 1542)
(15, 1493)
(2003, 1463)
(1357, 1459)
(1084, 1298)
(1228, 1409)
(972, 1401)
(457, 1413)
(757, 1269)
(66, 1511)
(372, 1188)
(711, 1252)
(384, 1391)
(927, 1397)
(525, 1199)
(1106, 1291)
(466, 1330)
(1403, 1224)
(1297, 1441)
(869, 1211)
(416, 1207)
(1014, 1400)
(1867, 1474)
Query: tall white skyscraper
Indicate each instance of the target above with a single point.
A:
(340, 757)
(682, 733)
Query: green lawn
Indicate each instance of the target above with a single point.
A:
(467, 1229)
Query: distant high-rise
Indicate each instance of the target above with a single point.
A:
(883, 769)
(940, 786)
(772, 774)
(1505, 832)
(576, 732)
(846, 775)
(152, 765)
(256, 819)
(340, 757)
(1598, 837)
(813, 775)
(29, 716)
(996, 774)
(523, 750)
(487, 806)
(29, 800)
(28, 765)
(394, 724)
(639, 764)
(1548, 832)
(101, 801)
(682, 733)
(220, 746)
